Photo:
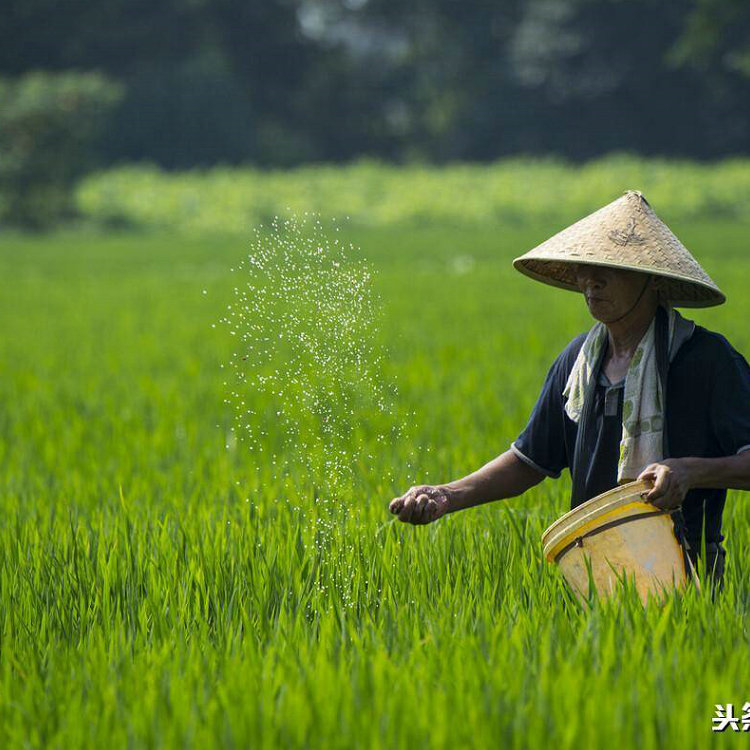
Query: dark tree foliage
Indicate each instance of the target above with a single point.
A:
(48, 122)
(716, 34)
(571, 77)
(280, 82)
(608, 75)
(116, 36)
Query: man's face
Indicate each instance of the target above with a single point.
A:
(610, 292)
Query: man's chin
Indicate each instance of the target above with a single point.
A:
(598, 314)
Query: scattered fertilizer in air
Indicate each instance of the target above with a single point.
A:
(306, 384)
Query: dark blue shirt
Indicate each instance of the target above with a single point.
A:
(707, 415)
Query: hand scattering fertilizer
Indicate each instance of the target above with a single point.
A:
(617, 535)
(306, 384)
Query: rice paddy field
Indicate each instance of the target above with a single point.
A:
(164, 585)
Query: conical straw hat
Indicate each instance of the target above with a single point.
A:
(624, 234)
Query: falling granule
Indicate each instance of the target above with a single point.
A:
(307, 389)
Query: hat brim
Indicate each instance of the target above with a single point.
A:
(679, 291)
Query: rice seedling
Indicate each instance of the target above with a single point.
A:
(161, 587)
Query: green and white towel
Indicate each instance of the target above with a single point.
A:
(643, 400)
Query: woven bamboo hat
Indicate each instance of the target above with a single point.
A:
(624, 234)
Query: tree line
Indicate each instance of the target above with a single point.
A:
(283, 82)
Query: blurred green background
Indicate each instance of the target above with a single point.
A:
(184, 84)
(161, 585)
(160, 590)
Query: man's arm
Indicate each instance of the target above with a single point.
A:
(675, 477)
(729, 411)
(728, 472)
(508, 475)
(503, 477)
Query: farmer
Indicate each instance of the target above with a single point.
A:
(601, 412)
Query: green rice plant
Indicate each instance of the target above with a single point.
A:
(161, 586)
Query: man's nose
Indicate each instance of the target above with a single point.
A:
(589, 278)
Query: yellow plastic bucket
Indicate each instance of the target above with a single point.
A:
(617, 535)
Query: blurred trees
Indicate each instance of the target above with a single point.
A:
(716, 34)
(279, 82)
(48, 123)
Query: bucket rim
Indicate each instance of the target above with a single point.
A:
(597, 507)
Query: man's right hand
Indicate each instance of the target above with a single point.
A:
(422, 504)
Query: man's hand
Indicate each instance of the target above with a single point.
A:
(672, 481)
(421, 504)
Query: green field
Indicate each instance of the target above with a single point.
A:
(160, 590)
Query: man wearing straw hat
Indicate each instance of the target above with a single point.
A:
(645, 394)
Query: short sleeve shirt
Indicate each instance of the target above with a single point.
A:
(707, 415)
